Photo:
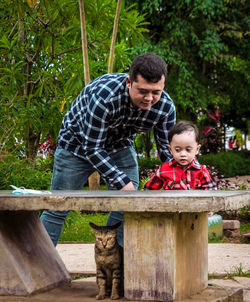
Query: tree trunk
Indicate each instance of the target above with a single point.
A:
(32, 145)
(147, 143)
(31, 139)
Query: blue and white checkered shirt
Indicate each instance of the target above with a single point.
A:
(102, 119)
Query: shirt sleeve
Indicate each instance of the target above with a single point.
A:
(95, 129)
(206, 181)
(155, 182)
(161, 134)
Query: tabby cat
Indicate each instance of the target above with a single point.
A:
(109, 261)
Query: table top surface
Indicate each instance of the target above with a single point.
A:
(128, 201)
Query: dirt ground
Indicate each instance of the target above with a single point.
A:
(236, 183)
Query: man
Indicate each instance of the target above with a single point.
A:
(98, 133)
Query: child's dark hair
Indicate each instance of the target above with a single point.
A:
(181, 127)
(150, 66)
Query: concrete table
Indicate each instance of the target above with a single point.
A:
(165, 239)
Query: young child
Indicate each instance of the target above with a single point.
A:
(183, 172)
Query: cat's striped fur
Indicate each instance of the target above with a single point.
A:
(109, 261)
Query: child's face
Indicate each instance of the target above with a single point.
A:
(184, 147)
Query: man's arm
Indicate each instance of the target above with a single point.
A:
(95, 128)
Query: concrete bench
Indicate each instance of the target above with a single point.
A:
(165, 239)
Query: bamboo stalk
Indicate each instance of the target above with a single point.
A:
(94, 179)
(115, 28)
(84, 43)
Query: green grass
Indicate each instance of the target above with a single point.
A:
(212, 238)
(238, 272)
(77, 229)
(244, 228)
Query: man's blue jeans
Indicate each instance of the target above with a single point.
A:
(72, 173)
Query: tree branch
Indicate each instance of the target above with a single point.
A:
(14, 27)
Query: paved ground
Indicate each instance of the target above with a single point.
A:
(222, 258)
(79, 258)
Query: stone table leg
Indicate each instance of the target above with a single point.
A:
(165, 255)
(29, 262)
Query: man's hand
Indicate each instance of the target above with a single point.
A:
(128, 187)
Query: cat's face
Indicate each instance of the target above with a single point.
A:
(105, 236)
(105, 239)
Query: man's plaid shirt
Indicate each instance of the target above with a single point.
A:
(102, 119)
(172, 176)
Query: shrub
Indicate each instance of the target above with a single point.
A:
(24, 173)
(148, 165)
(229, 163)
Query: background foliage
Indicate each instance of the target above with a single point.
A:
(204, 43)
(26, 173)
(41, 62)
(228, 164)
(206, 46)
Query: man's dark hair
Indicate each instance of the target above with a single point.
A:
(181, 127)
(151, 67)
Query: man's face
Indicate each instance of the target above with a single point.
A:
(144, 94)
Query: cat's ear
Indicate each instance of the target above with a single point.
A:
(93, 226)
